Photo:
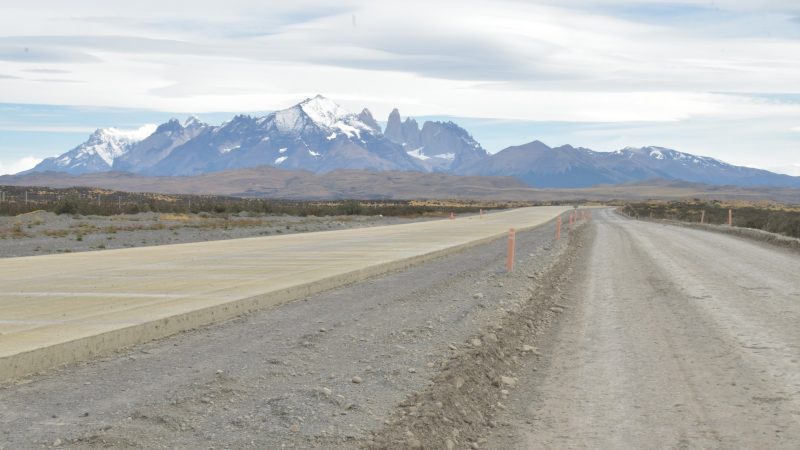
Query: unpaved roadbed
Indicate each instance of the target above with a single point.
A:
(326, 372)
(675, 338)
(43, 233)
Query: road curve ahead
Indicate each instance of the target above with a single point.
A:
(678, 338)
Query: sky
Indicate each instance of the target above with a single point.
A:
(716, 78)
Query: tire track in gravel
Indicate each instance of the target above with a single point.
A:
(677, 338)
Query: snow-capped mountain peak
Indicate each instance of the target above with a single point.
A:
(325, 114)
(324, 111)
(110, 143)
(98, 152)
(192, 121)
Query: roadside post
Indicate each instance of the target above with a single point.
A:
(512, 236)
(703, 216)
(558, 228)
(730, 217)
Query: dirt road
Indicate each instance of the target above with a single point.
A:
(676, 338)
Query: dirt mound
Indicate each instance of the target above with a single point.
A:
(459, 408)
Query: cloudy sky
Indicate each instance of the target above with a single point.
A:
(718, 78)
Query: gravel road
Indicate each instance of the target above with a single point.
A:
(329, 371)
(676, 338)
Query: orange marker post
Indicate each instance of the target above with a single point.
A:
(558, 228)
(730, 217)
(512, 237)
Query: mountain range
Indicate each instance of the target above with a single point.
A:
(319, 136)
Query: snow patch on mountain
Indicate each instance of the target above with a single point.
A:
(417, 153)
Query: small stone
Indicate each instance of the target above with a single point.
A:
(294, 428)
(490, 338)
(57, 443)
(477, 295)
(475, 342)
(530, 349)
(357, 380)
(449, 444)
(327, 391)
(412, 370)
(508, 381)
(205, 400)
(220, 371)
(452, 347)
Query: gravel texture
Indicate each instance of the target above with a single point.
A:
(672, 338)
(334, 370)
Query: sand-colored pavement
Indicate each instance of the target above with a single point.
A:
(58, 309)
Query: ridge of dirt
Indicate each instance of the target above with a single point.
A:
(460, 406)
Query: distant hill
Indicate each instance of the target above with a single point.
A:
(269, 182)
(569, 167)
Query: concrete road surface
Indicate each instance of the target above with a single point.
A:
(56, 309)
(677, 338)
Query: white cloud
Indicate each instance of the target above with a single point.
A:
(553, 60)
(12, 167)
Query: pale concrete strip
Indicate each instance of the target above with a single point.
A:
(58, 309)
